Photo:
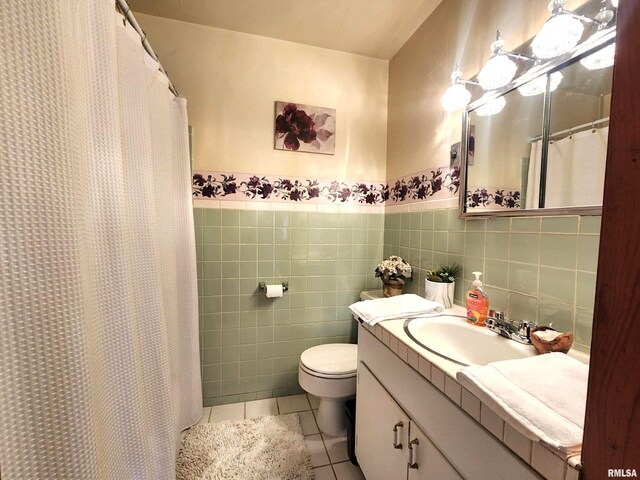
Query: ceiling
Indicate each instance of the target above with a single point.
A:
(374, 28)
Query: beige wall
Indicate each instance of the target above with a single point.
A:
(419, 131)
(231, 81)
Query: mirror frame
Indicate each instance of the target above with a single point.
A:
(597, 41)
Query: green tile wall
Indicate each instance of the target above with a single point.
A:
(250, 345)
(541, 269)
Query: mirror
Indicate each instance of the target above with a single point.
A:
(544, 153)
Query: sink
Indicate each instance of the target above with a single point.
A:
(452, 338)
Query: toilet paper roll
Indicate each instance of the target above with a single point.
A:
(274, 291)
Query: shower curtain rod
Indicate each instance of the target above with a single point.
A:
(123, 5)
(572, 130)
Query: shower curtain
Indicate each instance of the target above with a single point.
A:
(575, 170)
(99, 362)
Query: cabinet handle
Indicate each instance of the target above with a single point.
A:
(395, 435)
(413, 453)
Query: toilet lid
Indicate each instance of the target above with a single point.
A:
(331, 359)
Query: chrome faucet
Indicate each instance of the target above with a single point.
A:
(497, 324)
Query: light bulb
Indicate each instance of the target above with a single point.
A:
(492, 107)
(601, 59)
(498, 72)
(539, 85)
(558, 35)
(455, 98)
(614, 3)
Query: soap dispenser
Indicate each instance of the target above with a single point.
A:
(477, 302)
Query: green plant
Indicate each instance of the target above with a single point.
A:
(444, 274)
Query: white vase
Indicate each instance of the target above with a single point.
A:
(440, 292)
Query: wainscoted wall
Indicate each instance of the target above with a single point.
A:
(250, 345)
(540, 269)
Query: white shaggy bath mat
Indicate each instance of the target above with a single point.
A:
(265, 448)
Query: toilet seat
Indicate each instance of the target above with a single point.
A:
(332, 360)
(326, 375)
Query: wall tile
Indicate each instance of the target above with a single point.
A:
(496, 224)
(497, 273)
(560, 225)
(524, 247)
(526, 224)
(584, 324)
(541, 269)
(590, 225)
(588, 246)
(522, 307)
(557, 284)
(497, 246)
(558, 315)
(586, 290)
(523, 278)
(441, 220)
(250, 345)
(558, 250)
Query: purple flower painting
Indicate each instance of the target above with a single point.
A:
(304, 128)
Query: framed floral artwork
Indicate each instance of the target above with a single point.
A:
(305, 128)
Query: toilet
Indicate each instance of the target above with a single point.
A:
(329, 373)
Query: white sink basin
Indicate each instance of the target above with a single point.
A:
(456, 340)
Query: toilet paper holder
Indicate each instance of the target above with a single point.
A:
(262, 286)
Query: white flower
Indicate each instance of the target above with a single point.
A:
(394, 268)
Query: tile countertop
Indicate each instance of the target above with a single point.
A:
(442, 374)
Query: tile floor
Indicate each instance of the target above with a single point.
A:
(328, 454)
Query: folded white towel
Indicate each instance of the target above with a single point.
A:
(543, 397)
(400, 306)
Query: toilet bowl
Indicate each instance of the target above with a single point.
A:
(329, 373)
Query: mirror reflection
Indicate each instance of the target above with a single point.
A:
(495, 165)
(524, 155)
(579, 128)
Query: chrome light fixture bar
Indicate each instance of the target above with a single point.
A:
(562, 32)
(457, 96)
(500, 69)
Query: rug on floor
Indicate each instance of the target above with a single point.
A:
(263, 448)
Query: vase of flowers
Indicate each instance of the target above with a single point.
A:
(393, 272)
(440, 284)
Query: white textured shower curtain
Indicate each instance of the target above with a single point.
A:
(575, 170)
(99, 362)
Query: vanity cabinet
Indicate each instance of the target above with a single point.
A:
(389, 445)
(451, 443)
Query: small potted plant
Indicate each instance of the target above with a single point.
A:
(441, 283)
(393, 272)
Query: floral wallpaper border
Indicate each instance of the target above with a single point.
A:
(492, 198)
(433, 183)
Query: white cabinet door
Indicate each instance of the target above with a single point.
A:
(377, 415)
(428, 462)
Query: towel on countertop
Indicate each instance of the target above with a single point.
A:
(401, 306)
(543, 397)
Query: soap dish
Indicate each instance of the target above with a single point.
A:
(562, 343)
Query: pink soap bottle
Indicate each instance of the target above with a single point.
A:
(477, 303)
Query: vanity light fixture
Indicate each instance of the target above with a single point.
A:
(563, 30)
(492, 107)
(539, 85)
(500, 69)
(603, 58)
(457, 96)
